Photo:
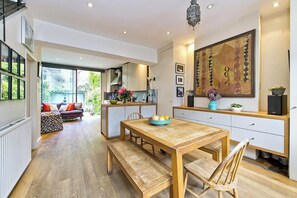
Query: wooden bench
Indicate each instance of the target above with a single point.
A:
(215, 149)
(147, 175)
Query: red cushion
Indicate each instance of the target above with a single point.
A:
(46, 107)
(70, 107)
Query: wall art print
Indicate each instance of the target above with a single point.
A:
(228, 66)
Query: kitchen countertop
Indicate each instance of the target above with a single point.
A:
(128, 104)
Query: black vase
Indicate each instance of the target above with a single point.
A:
(190, 101)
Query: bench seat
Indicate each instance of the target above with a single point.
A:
(147, 175)
(215, 149)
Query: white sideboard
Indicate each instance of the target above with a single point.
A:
(112, 115)
(270, 132)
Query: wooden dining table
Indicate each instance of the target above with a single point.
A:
(177, 138)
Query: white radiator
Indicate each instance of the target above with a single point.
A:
(15, 154)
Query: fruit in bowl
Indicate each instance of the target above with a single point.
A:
(159, 120)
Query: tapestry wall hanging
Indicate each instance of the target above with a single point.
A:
(228, 66)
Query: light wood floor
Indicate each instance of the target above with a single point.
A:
(72, 163)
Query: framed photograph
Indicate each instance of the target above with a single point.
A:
(228, 66)
(4, 87)
(5, 57)
(15, 68)
(21, 89)
(27, 35)
(179, 80)
(179, 91)
(179, 68)
(22, 67)
(14, 88)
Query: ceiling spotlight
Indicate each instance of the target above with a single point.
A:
(275, 4)
(90, 5)
(124, 32)
(80, 58)
(210, 6)
(57, 59)
(168, 33)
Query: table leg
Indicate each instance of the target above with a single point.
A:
(177, 174)
(225, 146)
(122, 136)
(109, 162)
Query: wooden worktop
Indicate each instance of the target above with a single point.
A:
(260, 114)
(128, 104)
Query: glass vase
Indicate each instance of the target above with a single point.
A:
(212, 105)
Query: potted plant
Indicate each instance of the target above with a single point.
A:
(190, 98)
(277, 90)
(236, 107)
(124, 94)
(213, 95)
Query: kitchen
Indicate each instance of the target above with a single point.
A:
(134, 77)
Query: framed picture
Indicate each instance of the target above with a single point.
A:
(5, 57)
(14, 88)
(179, 91)
(21, 89)
(15, 68)
(179, 80)
(179, 68)
(4, 87)
(27, 35)
(228, 66)
(22, 67)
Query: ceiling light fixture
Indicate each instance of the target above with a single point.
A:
(275, 4)
(124, 32)
(80, 58)
(168, 33)
(90, 5)
(210, 6)
(193, 13)
(57, 59)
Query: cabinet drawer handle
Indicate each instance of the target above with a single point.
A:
(210, 118)
(293, 108)
(253, 124)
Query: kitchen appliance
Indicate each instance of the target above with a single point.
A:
(152, 95)
(277, 105)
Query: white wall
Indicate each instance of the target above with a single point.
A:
(179, 56)
(245, 24)
(293, 91)
(275, 46)
(14, 110)
(165, 80)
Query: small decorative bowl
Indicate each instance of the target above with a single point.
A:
(278, 91)
(113, 101)
(159, 122)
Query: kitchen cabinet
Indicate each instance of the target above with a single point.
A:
(134, 76)
(270, 132)
(148, 110)
(112, 115)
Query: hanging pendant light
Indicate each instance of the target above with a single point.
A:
(193, 13)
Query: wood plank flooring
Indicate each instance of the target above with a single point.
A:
(72, 163)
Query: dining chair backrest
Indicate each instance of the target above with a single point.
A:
(226, 171)
(134, 116)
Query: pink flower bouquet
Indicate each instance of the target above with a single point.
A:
(213, 94)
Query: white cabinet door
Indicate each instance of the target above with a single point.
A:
(262, 140)
(142, 76)
(115, 116)
(148, 110)
(259, 124)
(125, 76)
(131, 109)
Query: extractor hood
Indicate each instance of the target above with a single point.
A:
(118, 79)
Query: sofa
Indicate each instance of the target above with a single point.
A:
(77, 112)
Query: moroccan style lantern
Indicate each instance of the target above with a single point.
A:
(193, 13)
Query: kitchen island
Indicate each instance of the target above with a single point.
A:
(113, 114)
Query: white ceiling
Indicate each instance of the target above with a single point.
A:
(147, 21)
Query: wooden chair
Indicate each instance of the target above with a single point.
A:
(219, 176)
(134, 116)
